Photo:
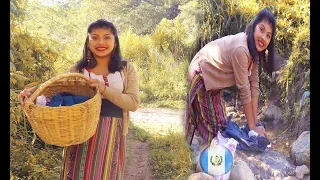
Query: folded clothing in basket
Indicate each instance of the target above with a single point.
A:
(66, 99)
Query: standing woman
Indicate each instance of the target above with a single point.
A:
(102, 157)
(225, 62)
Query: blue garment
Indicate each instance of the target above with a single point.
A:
(66, 99)
(254, 143)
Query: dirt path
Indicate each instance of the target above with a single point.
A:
(137, 165)
(155, 120)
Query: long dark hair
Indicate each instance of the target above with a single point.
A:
(116, 63)
(267, 63)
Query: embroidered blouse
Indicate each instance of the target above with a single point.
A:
(113, 81)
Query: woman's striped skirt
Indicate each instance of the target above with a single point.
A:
(205, 110)
(102, 157)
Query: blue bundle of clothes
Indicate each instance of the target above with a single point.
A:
(253, 143)
(66, 99)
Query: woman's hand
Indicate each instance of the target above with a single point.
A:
(100, 85)
(260, 130)
(24, 93)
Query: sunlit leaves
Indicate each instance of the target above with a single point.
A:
(31, 61)
(16, 7)
(17, 79)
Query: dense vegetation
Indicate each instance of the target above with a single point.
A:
(159, 37)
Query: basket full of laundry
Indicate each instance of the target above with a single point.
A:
(64, 110)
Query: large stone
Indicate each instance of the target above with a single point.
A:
(301, 171)
(307, 177)
(290, 178)
(272, 113)
(241, 171)
(268, 165)
(304, 122)
(300, 151)
(200, 176)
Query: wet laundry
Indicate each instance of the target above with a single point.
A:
(253, 143)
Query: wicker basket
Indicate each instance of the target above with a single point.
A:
(64, 125)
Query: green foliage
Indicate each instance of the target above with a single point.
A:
(155, 63)
(28, 162)
(162, 57)
(172, 104)
(292, 17)
(299, 60)
(295, 78)
(64, 30)
(147, 13)
(31, 62)
(190, 17)
(267, 85)
(32, 57)
(224, 17)
(138, 133)
(16, 12)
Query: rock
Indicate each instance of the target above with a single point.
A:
(272, 113)
(300, 150)
(306, 177)
(304, 122)
(290, 178)
(275, 178)
(269, 164)
(200, 176)
(279, 61)
(241, 171)
(301, 171)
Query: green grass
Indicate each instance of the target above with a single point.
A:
(173, 104)
(169, 154)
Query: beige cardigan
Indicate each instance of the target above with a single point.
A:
(128, 100)
(224, 62)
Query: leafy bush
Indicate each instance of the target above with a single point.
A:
(155, 63)
(31, 62)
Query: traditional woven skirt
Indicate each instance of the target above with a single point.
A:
(102, 157)
(205, 110)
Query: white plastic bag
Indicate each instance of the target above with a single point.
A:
(229, 143)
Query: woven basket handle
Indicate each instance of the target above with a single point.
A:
(54, 79)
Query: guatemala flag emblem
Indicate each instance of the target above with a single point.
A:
(216, 160)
